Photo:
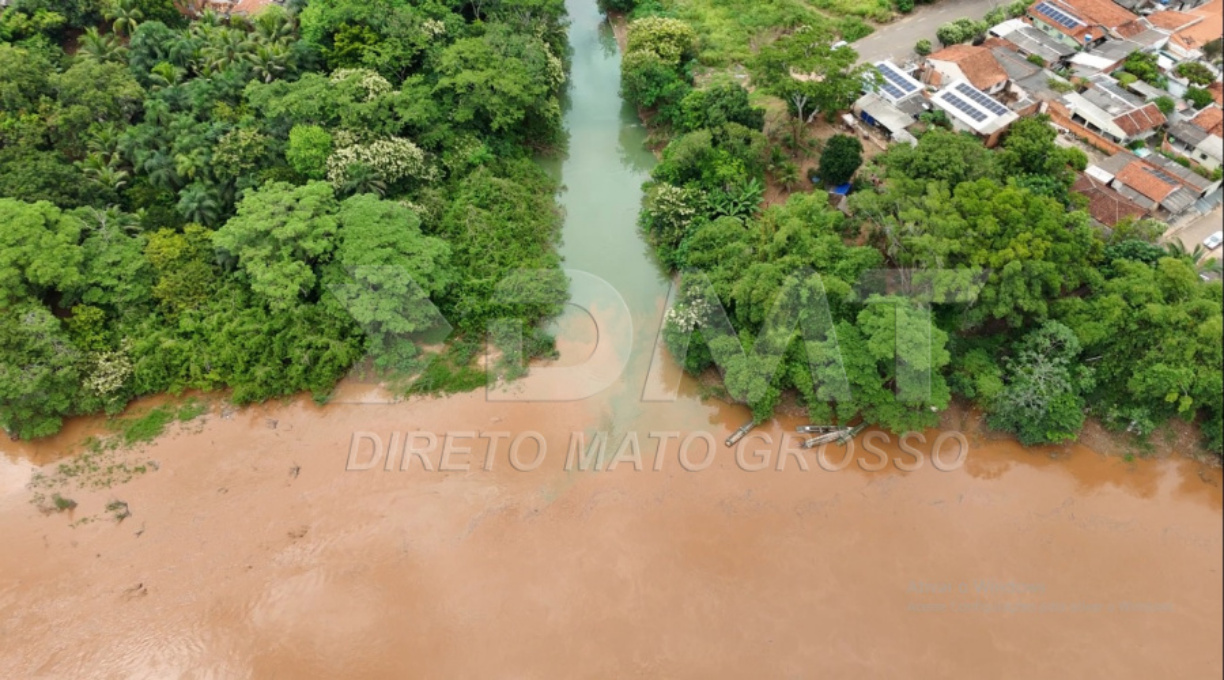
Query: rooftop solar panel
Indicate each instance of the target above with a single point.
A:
(892, 91)
(982, 98)
(898, 80)
(1058, 16)
(964, 107)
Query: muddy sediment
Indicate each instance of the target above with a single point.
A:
(253, 552)
(281, 541)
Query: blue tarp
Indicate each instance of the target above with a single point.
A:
(841, 190)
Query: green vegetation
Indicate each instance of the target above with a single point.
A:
(262, 203)
(1195, 72)
(1198, 97)
(841, 157)
(1143, 66)
(960, 31)
(1035, 317)
(146, 428)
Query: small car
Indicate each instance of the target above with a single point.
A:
(1212, 242)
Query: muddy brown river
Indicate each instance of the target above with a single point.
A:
(282, 541)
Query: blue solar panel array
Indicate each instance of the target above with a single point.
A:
(980, 98)
(1057, 15)
(895, 84)
(964, 106)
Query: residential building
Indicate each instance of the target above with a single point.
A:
(1143, 183)
(1110, 111)
(1204, 26)
(1028, 88)
(972, 110)
(1199, 139)
(1144, 34)
(1191, 181)
(1079, 23)
(1029, 40)
(1104, 57)
(974, 63)
(893, 106)
(1106, 206)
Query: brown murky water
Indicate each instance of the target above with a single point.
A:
(251, 552)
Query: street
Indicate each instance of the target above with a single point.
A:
(1193, 231)
(896, 40)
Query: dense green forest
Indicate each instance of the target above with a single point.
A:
(1038, 318)
(263, 203)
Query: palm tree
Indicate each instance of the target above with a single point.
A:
(165, 74)
(224, 48)
(273, 28)
(198, 204)
(269, 61)
(125, 16)
(104, 139)
(97, 47)
(1199, 257)
(159, 167)
(1176, 248)
(192, 163)
(362, 179)
(103, 171)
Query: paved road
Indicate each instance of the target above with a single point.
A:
(1192, 232)
(896, 40)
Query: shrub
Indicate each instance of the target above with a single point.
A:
(1165, 104)
(672, 40)
(1195, 72)
(1036, 60)
(308, 150)
(853, 28)
(1198, 97)
(922, 47)
(905, 6)
(949, 34)
(841, 157)
(649, 82)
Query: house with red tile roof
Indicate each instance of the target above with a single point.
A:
(1217, 92)
(1153, 183)
(1204, 26)
(1110, 111)
(1079, 22)
(1106, 206)
(976, 64)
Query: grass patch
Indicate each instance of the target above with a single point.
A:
(148, 427)
(874, 10)
(190, 410)
(730, 29)
(451, 372)
(152, 424)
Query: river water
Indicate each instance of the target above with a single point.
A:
(251, 552)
